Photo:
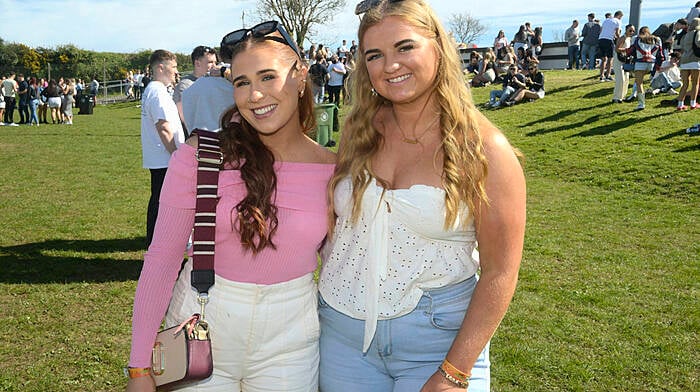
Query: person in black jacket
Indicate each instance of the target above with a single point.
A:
(533, 87)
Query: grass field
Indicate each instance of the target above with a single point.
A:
(608, 292)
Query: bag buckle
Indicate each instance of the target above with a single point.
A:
(217, 159)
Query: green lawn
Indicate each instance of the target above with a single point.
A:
(608, 293)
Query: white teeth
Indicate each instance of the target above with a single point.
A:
(263, 110)
(400, 78)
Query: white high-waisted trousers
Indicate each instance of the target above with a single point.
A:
(264, 337)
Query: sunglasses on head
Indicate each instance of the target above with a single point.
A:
(367, 5)
(261, 30)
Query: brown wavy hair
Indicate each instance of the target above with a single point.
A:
(464, 165)
(256, 213)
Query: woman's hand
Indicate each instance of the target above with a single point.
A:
(438, 383)
(141, 384)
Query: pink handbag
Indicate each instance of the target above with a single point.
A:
(182, 353)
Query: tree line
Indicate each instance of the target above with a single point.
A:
(71, 61)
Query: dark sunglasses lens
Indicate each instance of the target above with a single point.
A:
(264, 29)
(234, 37)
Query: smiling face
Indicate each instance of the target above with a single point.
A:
(267, 87)
(401, 62)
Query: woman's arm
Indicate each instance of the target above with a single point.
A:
(500, 233)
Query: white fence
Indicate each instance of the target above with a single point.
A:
(112, 91)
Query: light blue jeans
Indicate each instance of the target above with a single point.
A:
(405, 351)
(588, 53)
(501, 95)
(661, 81)
(33, 105)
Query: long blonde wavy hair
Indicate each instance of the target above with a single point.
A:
(464, 164)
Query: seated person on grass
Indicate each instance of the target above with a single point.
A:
(669, 76)
(533, 88)
(474, 62)
(487, 72)
(504, 59)
(509, 87)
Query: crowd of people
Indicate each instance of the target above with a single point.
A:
(135, 83)
(666, 54)
(514, 64)
(39, 100)
(670, 55)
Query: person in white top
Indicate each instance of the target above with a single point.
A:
(669, 76)
(609, 32)
(161, 130)
(400, 305)
(343, 50)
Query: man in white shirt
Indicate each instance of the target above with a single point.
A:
(336, 70)
(161, 130)
(343, 50)
(9, 91)
(609, 32)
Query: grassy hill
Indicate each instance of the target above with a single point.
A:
(608, 292)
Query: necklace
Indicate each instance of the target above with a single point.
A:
(415, 139)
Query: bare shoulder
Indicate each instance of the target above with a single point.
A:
(496, 144)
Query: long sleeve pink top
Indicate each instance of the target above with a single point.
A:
(302, 225)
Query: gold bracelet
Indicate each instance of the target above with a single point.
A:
(134, 372)
(454, 372)
(461, 384)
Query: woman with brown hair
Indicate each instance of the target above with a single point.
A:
(647, 51)
(270, 223)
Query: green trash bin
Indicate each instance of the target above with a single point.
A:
(324, 123)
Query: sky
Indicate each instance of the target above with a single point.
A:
(129, 26)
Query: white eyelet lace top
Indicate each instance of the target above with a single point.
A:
(378, 268)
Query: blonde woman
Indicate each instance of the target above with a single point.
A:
(487, 71)
(422, 177)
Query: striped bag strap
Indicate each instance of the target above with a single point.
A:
(210, 159)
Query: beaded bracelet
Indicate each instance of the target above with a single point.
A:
(461, 384)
